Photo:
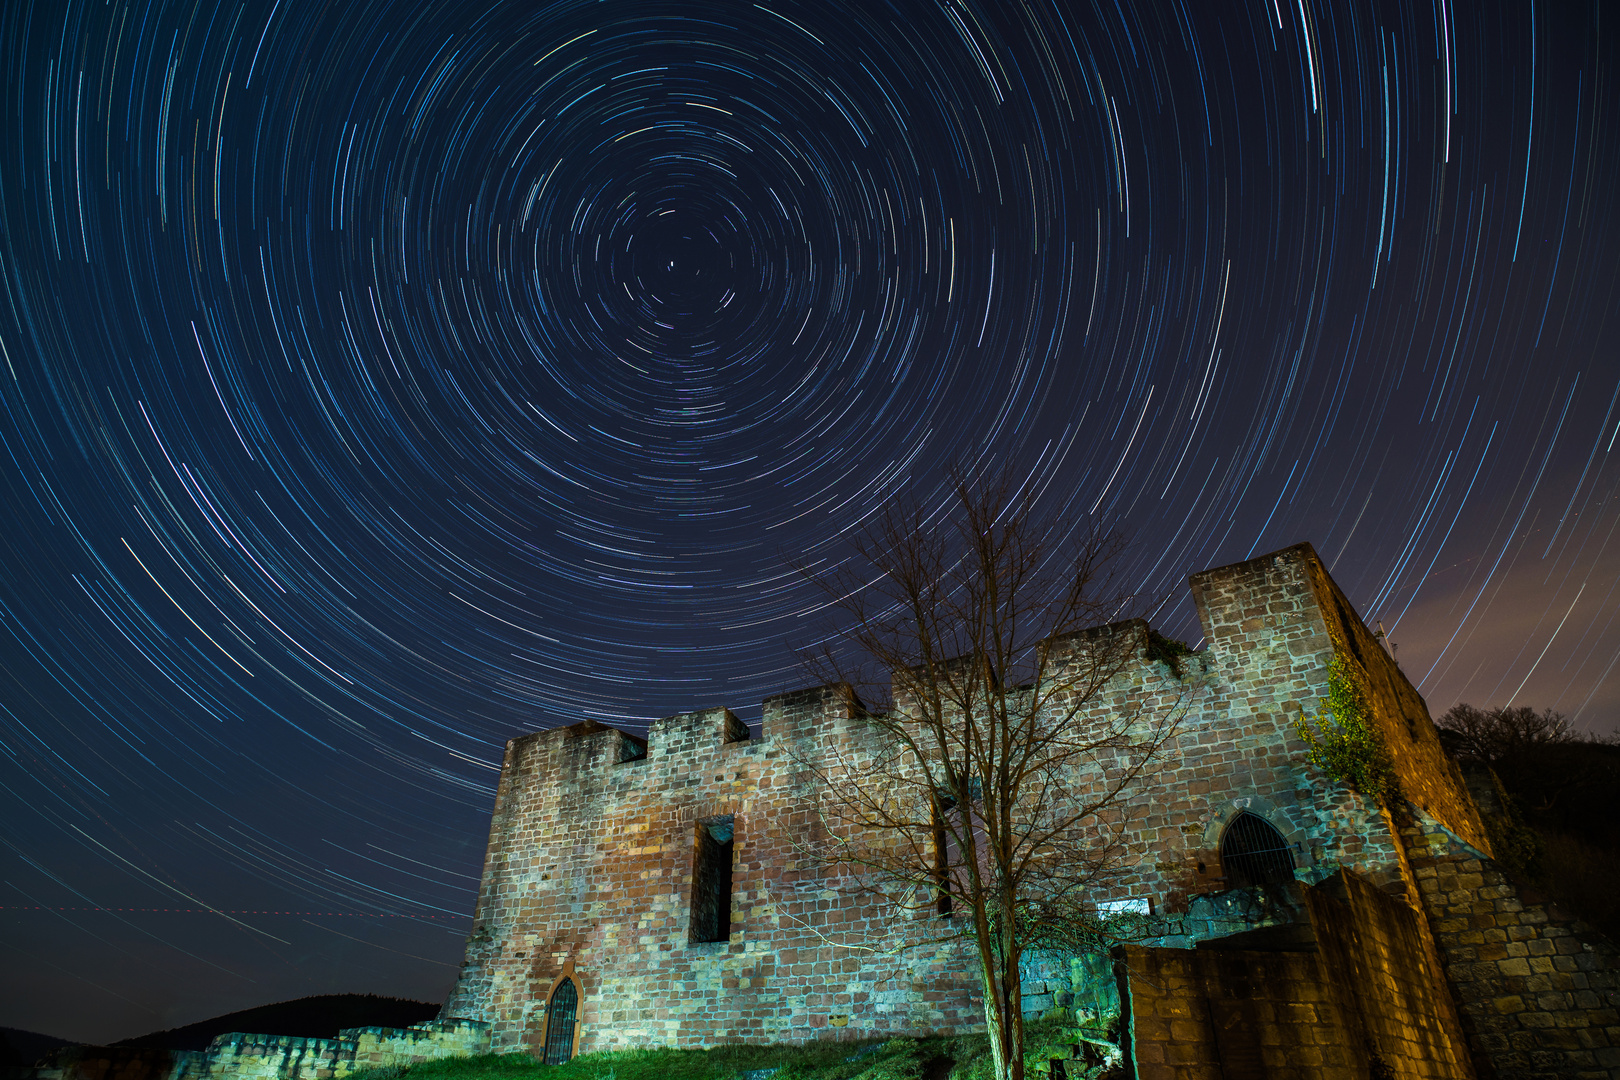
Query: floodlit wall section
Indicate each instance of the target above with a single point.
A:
(239, 1056)
(592, 856)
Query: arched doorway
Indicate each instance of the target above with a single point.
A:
(561, 1013)
(1255, 853)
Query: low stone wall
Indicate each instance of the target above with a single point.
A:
(112, 1063)
(1083, 985)
(1539, 990)
(1202, 1015)
(1348, 993)
(284, 1057)
(240, 1056)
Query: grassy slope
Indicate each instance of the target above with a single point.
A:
(1569, 794)
(935, 1058)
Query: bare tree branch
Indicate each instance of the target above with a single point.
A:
(1009, 738)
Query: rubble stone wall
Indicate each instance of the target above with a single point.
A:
(239, 1056)
(283, 1057)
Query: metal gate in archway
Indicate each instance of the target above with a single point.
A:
(1255, 853)
(561, 1012)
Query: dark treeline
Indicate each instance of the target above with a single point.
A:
(1551, 798)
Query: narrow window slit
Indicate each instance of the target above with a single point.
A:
(939, 810)
(711, 880)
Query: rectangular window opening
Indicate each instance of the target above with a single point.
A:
(631, 748)
(711, 880)
(940, 809)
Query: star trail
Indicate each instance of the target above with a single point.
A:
(383, 380)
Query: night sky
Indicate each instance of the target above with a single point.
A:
(385, 380)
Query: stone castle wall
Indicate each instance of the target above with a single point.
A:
(590, 869)
(1353, 998)
(1539, 990)
(592, 845)
(239, 1056)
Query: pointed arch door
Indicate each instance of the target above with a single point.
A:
(562, 1012)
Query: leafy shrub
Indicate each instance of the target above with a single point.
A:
(1167, 650)
(1344, 739)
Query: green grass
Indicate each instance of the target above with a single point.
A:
(964, 1057)
(897, 1059)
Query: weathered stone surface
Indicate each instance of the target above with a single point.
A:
(592, 845)
(1524, 1013)
(239, 1056)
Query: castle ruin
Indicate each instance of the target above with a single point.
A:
(656, 893)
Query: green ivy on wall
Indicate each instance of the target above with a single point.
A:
(1343, 737)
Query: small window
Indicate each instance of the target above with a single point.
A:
(1254, 853)
(941, 811)
(561, 1012)
(711, 880)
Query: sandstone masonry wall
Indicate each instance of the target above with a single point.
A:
(1429, 778)
(1198, 1015)
(589, 871)
(1356, 1001)
(1539, 990)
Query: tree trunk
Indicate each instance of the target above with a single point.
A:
(1013, 1009)
(1005, 1028)
(1003, 1006)
(1000, 1051)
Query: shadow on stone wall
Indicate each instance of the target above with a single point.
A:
(1345, 992)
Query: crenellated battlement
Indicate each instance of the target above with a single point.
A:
(606, 848)
(1273, 618)
(685, 732)
(806, 712)
(1271, 586)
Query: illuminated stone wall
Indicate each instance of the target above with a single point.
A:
(284, 1057)
(590, 862)
(591, 865)
(240, 1056)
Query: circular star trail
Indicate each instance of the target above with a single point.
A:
(385, 380)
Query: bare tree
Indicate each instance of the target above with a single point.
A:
(1495, 736)
(995, 793)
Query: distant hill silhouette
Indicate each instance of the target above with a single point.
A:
(320, 1017)
(19, 1047)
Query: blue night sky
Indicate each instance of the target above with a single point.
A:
(383, 380)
